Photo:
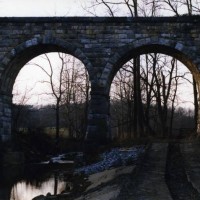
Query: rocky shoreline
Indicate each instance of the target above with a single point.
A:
(100, 176)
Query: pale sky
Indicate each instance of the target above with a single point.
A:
(38, 7)
(43, 8)
(63, 8)
(51, 8)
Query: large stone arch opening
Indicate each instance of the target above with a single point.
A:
(16, 59)
(170, 48)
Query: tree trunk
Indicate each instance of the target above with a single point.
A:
(195, 103)
(57, 123)
(138, 106)
(173, 109)
(135, 118)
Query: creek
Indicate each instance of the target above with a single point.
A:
(24, 182)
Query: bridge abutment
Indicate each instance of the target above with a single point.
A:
(5, 116)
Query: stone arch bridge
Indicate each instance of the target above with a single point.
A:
(102, 44)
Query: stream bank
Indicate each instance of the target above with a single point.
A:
(113, 165)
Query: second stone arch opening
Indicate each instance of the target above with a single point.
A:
(153, 95)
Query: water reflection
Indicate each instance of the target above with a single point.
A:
(24, 182)
(27, 191)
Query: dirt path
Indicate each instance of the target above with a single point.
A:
(179, 186)
(191, 158)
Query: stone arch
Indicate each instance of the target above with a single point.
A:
(14, 60)
(21, 54)
(187, 55)
(179, 50)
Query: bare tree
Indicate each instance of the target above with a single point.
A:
(180, 7)
(56, 85)
(76, 95)
(69, 86)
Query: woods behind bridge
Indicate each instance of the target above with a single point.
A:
(146, 106)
